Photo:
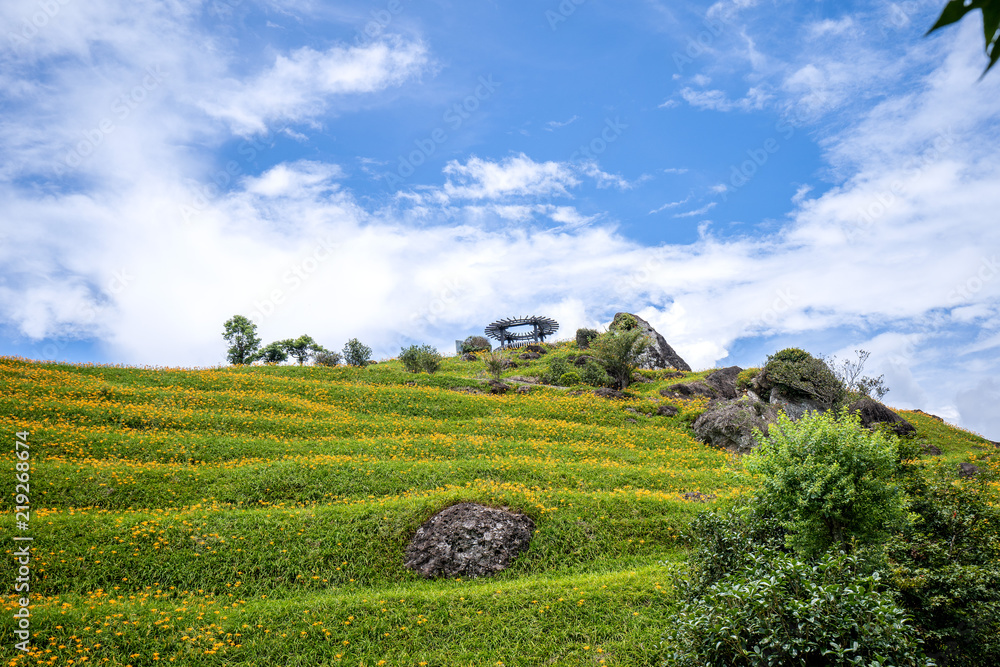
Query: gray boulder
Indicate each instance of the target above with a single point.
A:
(468, 540)
(730, 424)
(724, 381)
(796, 406)
(690, 390)
(874, 413)
(659, 354)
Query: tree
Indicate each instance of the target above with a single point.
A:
(618, 351)
(302, 348)
(955, 10)
(241, 334)
(273, 353)
(828, 480)
(849, 373)
(417, 358)
(357, 353)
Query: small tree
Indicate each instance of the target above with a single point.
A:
(273, 353)
(241, 334)
(357, 353)
(849, 372)
(495, 362)
(476, 344)
(619, 351)
(302, 348)
(828, 480)
(417, 358)
(326, 358)
(584, 336)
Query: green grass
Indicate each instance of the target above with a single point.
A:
(260, 515)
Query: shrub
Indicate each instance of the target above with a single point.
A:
(302, 348)
(624, 322)
(584, 336)
(327, 358)
(569, 379)
(495, 361)
(946, 565)
(557, 367)
(849, 374)
(593, 373)
(273, 353)
(800, 375)
(476, 344)
(828, 480)
(789, 610)
(357, 353)
(723, 539)
(744, 378)
(619, 352)
(417, 358)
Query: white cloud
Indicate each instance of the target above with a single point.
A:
(299, 86)
(517, 175)
(717, 100)
(555, 124)
(698, 211)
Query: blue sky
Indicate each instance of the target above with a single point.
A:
(746, 175)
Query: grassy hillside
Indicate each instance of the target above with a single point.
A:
(260, 515)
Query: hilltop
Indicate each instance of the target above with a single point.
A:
(259, 515)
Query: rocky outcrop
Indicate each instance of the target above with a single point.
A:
(873, 414)
(468, 540)
(659, 354)
(667, 410)
(724, 381)
(730, 424)
(605, 392)
(796, 406)
(689, 390)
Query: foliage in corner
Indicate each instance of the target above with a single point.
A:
(946, 564)
(955, 10)
(786, 609)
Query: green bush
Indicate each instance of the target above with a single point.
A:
(624, 322)
(569, 379)
(495, 361)
(800, 375)
(784, 609)
(946, 565)
(357, 353)
(476, 344)
(828, 480)
(619, 351)
(593, 373)
(420, 358)
(557, 367)
(584, 336)
(326, 358)
(744, 378)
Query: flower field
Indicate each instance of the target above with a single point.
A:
(259, 515)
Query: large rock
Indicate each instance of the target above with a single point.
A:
(796, 406)
(730, 424)
(690, 390)
(874, 413)
(659, 354)
(724, 381)
(468, 540)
